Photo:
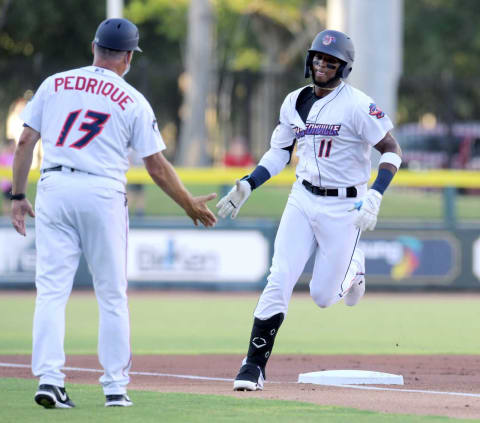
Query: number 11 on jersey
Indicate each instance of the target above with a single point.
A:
(322, 148)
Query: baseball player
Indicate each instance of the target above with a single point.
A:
(88, 119)
(335, 126)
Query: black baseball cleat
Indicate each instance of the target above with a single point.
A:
(249, 378)
(118, 400)
(51, 396)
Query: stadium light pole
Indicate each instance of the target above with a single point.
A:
(114, 9)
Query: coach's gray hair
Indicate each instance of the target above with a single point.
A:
(106, 53)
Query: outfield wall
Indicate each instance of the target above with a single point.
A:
(236, 255)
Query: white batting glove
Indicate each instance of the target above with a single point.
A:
(368, 210)
(234, 200)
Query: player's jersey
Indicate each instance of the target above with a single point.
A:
(88, 119)
(334, 144)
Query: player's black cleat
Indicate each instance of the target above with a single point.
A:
(249, 378)
(51, 396)
(119, 400)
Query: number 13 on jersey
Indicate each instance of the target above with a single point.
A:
(93, 125)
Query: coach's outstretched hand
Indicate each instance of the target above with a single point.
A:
(19, 209)
(200, 212)
(234, 200)
(368, 210)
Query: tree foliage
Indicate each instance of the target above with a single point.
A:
(441, 60)
(253, 38)
(441, 36)
(39, 38)
(235, 35)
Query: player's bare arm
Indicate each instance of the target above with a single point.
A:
(165, 176)
(21, 166)
(388, 145)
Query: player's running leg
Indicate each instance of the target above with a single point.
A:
(293, 247)
(355, 280)
(335, 258)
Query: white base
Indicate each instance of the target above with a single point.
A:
(350, 377)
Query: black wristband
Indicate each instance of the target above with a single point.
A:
(259, 175)
(16, 196)
(250, 181)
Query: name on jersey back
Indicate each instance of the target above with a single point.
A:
(94, 86)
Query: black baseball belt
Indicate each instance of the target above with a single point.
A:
(60, 168)
(328, 192)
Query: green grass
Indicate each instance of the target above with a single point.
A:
(203, 324)
(269, 202)
(17, 405)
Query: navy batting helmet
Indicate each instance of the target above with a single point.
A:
(117, 34)
(336, 44)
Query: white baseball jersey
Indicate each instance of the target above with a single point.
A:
(334, 145)
(88, 119)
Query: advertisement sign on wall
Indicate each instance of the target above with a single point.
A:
(411, 257)
(232, 257)
(197, 256)
(408, 258)
(161, 255)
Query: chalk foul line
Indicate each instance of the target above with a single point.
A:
(221, 379)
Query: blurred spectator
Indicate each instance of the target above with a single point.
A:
(238, 154)
(7, 151)
(136, 192)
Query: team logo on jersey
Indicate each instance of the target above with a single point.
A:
(375, 111)
(323, 129)
(328, 39)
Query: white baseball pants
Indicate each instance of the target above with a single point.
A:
(317, 225)
(76, 213)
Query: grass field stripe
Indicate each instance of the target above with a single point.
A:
(374, 388)
(418, 391)
(22, 366)
(81, 369)
(221, 379)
